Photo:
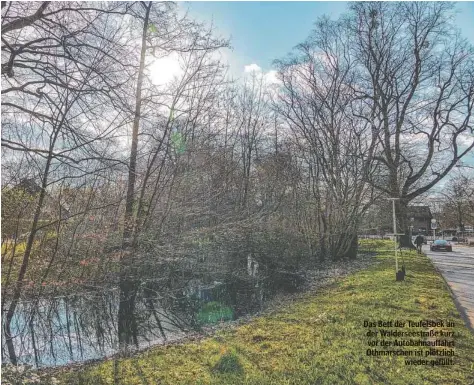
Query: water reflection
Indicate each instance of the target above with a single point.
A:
(93, 325)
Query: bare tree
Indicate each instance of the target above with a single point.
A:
(457, 202)
(52, 90)
(316, 102)
(415, 74)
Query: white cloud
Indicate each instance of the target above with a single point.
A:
(465, 139)
(252, 68)
(271, 77)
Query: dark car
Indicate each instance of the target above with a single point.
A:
(441, 244)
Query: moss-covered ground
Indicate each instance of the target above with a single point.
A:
(318, 339)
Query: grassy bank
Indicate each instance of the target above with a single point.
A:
(320, 339)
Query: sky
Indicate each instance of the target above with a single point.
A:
(261, 32)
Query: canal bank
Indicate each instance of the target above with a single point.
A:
(318, 338)
(315, 337)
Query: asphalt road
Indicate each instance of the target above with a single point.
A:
(457, 268)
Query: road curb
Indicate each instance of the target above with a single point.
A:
(459, 307)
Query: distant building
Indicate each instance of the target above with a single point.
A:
(379, 220)
(421, 219)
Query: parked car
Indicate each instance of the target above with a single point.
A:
(441, 244)
(458, 239)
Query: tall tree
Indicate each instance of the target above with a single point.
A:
(415, 73)
(316, 101)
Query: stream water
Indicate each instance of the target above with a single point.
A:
(96, 324)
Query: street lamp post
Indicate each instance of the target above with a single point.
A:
(395, 240)
(434, 225)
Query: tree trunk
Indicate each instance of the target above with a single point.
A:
(351, 253)
(401, 215)
(126, 317)
(129, 224)
(24, 263)
(403, 223)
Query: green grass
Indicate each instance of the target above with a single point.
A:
(319, 339)
(7, 248)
